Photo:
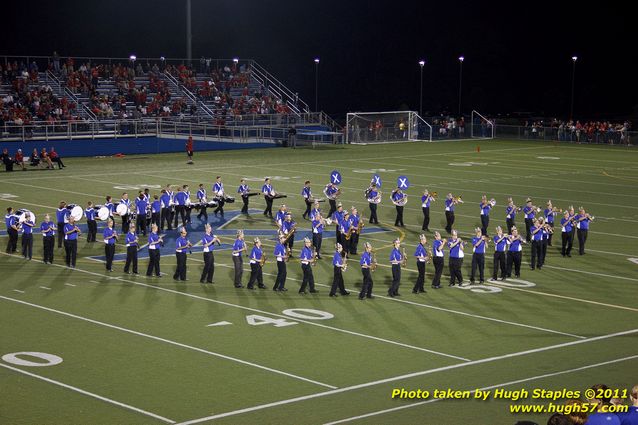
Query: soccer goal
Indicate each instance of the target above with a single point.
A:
(384, 127)
(481, 127)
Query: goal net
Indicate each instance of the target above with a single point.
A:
(383, 127)
(481, 127)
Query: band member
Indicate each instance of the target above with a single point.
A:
(318, 224)
(156, 210)
(337, 217)
(399, 199)
(422, 258)
(166, 203)
(306, 192)
(243, 190)
(396, 259)
(132, 243)
(280, 216)
(27, 236)
(126, 217)
(189, 150)
(455, 245)
(426, 200)
(550, 214)
(339, 265)
(515, 253)
(345, 230)
(500, 248)
(536, 232)
(208, 240)
(90, 214)
(486, 206)
(572, 215)
(307, 257)
(357, 225)
(373, 195)
(154, 244)
(315, 210)
(61, 216)
(288, 228)
(141, 205)
(367, 264)
(182, 245)
(110, 237)
(281, 254)
(545, 230)
(239, 247)
(180, 207)
(257, 259)
(218, 191)
(450, 202)
(269, 195)
(110, 206)
(171, 204)
(147, 195)
(71, 233)
(567, 224)
(187, 201)
(510, 214)
(332, 192)
(12, 230)
(438, 259)
(47, 229)
(582, 224)
(529, 210)
(479, 245)
(201, 198)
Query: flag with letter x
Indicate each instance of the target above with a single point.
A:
(402, 182)
(376, 179)
(335, 177)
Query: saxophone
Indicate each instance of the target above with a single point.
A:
(313, 262)
(262, 261)
(374, 264)
(404, 261)
(360, 225)
(345, 264)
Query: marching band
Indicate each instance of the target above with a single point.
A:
(167, 208)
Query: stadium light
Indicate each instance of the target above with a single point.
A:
(235, 60)
(421, 64)
(162, 58)
(571, 109)
(461, 59)
(316, 60)
(132, 57)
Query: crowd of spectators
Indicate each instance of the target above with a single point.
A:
(42, 159)
(579, 132)
(29, 100)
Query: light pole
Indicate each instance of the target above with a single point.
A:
(461, 59)
(571, 109)
(421, 64)
(316, 84)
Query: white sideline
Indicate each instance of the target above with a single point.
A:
(504, 384)
(81, 391)
(159, 288)
(168, 341)
(406, 376)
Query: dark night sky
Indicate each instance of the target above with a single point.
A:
(518, 54)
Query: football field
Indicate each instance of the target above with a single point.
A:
(127, 349)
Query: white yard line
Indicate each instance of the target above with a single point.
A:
(81, 391)
(168, 341)
(346, 331)
(504, 384)
(403, 377)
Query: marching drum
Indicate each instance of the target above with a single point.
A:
(122, 209)
(103, 213)
(77, 213)
(229, 199)
(22, 216)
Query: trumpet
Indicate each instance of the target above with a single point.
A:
(458, 199)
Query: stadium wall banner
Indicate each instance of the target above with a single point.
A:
(126, 145)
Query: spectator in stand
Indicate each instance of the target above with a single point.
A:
(19, 159)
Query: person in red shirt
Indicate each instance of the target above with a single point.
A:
(189, 149)
(56, 158)
(19, 159)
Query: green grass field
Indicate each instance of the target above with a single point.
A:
(138, 350)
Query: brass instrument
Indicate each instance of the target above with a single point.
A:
(360, 225)
(287, 256)
(290, 233)
(345, 264)
(458, 199)
(313, 262)
(404, 261)
(434, 195)
(429, 256)
(373, 264)
(262, 260)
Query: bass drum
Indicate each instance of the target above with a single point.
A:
(22, 216)
(103, 213)
(122, 209)
(77, 213)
